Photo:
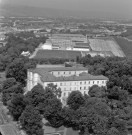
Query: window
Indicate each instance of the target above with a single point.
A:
(69, 72)
(60, 84)
(102, 82)
(80, 88)
(70, 88)
(84, 88)
(85, 82)
(64, 88)
(93, 82)
(64, 94)
(75, 88)
(80, 82)
(64, 72)
(68, 93)
(89, 82)
(58, 73)
(98, 82)
(84, 92)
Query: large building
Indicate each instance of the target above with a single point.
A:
(67, 78)
(72, 42)
(72, 37)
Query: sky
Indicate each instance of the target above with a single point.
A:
(122, 7)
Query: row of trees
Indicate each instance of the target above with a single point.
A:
(31, 108)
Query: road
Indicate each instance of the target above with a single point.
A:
(5, 121)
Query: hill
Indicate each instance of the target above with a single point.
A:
(15, 10)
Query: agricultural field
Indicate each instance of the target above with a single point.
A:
(125, 45)
(106, 45)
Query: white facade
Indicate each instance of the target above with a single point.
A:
(2, 37)
(25, 53)
(47, 45)
(83, 86)
(81, 49)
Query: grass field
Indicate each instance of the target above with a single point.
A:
(47, 54)
(99, 44)
(125, 45)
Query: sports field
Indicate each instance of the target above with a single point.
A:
(105, 45)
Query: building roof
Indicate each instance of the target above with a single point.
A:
(68, 35)
(8, 130)
(46, 76)
(49, 68)
(82, 77)
(81, 45)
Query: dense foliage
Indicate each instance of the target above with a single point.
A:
(118, 70)
(16, 44)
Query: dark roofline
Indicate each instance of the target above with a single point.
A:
(85, 77)
(81, 47)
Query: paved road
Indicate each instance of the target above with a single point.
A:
(5, 121)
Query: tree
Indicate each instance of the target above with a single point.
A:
(117, 93)
(96, 91)
(31, 121)
(56, 91)
(47, 103)
(9, 82)
(10, 87)
(75, 100)
(52, 111)
(117, 125)
(16, 106)
(17, 70)
(113, 131)
(35, 96)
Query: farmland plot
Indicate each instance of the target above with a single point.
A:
(104, 45)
